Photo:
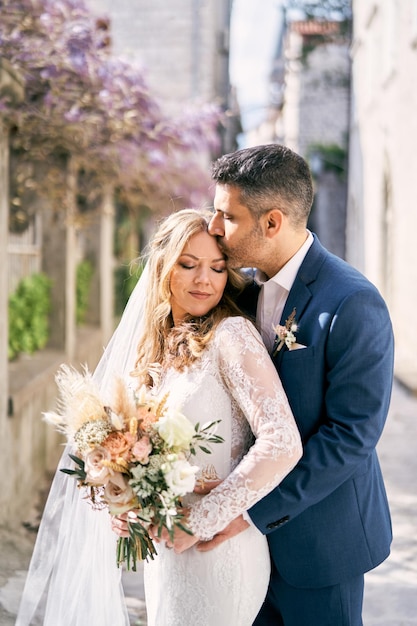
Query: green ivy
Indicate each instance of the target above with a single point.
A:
(332, 156)
(85, 272)
(29, 306)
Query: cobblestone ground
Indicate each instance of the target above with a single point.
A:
(133, 586)
(16, 548)
(390, 590)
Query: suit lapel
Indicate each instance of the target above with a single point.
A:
(300, 293)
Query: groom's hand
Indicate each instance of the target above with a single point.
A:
(234, 528)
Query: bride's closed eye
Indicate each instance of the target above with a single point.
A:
(186, 266)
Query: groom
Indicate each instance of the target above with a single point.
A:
(328, 522)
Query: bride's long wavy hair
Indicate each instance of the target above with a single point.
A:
(161, 342)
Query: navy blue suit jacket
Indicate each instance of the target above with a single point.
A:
(329, 519)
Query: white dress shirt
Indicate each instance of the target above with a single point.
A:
(274, 293)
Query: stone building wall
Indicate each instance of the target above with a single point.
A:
(315, 112)
(382, 215)
(177, 42)
(316, 101)
(324, 96)
(30, 448)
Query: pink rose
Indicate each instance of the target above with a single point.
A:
(142, 449)
(96, 472)
(119, 495)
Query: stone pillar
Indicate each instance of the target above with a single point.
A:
(4, 227)
(99, 244)
(11, 86)
(107, 265)
(328, 218)
(71, 263)
(59, 260)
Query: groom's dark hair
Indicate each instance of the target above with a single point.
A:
(268, 176)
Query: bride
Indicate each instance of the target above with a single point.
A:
(181, 333)
(214, 365)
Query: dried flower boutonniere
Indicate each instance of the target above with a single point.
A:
(286, 333)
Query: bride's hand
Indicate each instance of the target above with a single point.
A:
(119, 525)
(202, 487)
(182, 540)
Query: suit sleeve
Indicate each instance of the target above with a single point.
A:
(358, 362)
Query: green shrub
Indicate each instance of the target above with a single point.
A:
(125, 280)
(85, 272)
(333, 158)
(29, 306)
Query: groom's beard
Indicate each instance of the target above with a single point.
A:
(244, 252)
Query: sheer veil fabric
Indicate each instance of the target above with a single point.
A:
(73, 579)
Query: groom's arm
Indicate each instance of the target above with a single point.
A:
(359, 357)
(359, 369)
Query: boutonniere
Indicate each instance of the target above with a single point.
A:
(285, 333)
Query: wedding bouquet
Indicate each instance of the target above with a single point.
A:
(132, 457)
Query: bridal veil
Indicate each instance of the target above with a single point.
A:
(73, 579)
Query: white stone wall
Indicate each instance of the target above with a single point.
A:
(175, 41)
(317, 94)
(325, 96)
(382, 212)
(316, 112)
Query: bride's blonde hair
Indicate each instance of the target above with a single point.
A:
(161, 342)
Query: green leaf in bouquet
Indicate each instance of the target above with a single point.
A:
(210, 425)
(77, 460)
(137, 547)
(71, 472)
(78, 471)
(205, 434)
(206, 450)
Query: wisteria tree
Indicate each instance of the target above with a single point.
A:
(83, 102)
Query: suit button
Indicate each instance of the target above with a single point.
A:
(279, 522)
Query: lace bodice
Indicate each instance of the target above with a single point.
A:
(235, 381)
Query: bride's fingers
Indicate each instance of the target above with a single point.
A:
(202, 487)
(119, 527)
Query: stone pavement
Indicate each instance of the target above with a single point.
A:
(391, 589)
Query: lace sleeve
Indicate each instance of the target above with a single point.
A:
(253, 383)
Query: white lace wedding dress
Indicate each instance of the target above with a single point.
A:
(235, 381)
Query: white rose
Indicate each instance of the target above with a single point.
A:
(175, 429)
(96, 472)
(180, 477)
(119, 495)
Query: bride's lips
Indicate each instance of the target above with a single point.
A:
(200, 295)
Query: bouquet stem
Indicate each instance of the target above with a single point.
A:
(137, 547)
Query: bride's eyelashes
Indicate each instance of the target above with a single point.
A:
(218, 270)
